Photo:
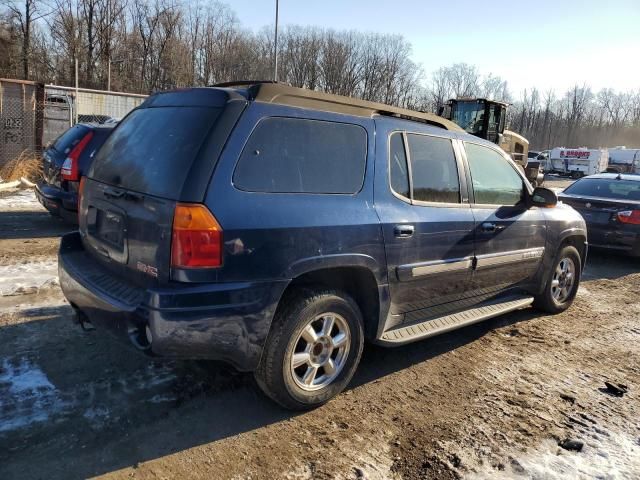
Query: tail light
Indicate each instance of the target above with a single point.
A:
(629, 216)
(70, 166)
(197, 237)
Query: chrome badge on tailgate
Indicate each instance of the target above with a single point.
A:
(148, 269)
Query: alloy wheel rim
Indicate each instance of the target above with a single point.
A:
(563, 279)
(320, 351)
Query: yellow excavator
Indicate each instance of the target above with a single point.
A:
(485, 119)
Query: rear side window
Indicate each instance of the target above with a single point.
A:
(399, 172)
(433, 169)
(69, 139)
(153, 149)
(291, 155)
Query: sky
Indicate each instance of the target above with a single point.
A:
(549, 44)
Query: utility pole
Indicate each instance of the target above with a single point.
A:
(75, 103)
(275, 68)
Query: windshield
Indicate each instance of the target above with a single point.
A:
(606, 188)
(69, 139)
(153, 149)
(470, 117)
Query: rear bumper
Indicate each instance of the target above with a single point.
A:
(625, 239)
(58, 202)
(227, 322)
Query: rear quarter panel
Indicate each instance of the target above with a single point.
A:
(281, 235)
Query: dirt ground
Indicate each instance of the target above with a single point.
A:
(490, 401)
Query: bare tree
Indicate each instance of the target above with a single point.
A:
(26, 13)
(160, 44)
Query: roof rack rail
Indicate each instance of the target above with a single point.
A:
(240, 83)
(279, 93)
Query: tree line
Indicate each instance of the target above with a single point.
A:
(143, 46)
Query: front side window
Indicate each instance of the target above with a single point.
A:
(433, 169)
(494, 180)
(292, 155)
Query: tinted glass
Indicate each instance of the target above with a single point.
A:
(398, 166)
(606, 188)
(153, 149)
(494, 179)
(290, 155)
(433, 169)
(69, 139)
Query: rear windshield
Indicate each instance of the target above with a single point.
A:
(606, 188)
(69, 139)
(153, 149)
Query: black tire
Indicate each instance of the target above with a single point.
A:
(275, 374)
(546, 301)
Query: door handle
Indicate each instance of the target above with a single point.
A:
(403, 231)
(491, 227)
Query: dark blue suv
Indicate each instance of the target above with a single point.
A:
(277, 228)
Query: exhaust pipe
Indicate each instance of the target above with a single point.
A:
(81, 319)
(141, 337)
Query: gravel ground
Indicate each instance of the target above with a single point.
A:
(492, 400)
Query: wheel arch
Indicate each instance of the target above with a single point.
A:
(357, 281)
(578, 240)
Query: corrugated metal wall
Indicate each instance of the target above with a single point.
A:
(98, 102)
(33, 114)
(20, 118)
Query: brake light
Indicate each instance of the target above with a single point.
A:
(629, 216)
(196, 237)
(70, 166)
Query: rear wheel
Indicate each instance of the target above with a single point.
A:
(562, 282)
(313, 349)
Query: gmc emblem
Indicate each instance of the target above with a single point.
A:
(148, 269)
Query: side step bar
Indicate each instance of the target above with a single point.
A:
(438, 325)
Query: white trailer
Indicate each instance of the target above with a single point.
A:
(624, 160)
(578, 162)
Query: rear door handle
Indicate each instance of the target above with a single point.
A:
(403, 231)
(491, 227)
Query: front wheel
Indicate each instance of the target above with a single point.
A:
(313, 349)
(562, 282)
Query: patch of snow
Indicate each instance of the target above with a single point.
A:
(29, 277)
(607, 457)
(26, 395)
(21, 200)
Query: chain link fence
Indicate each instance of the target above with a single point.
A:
(33, 115)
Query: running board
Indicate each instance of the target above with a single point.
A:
(438, 325)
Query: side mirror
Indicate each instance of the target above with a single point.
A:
(543, 197)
